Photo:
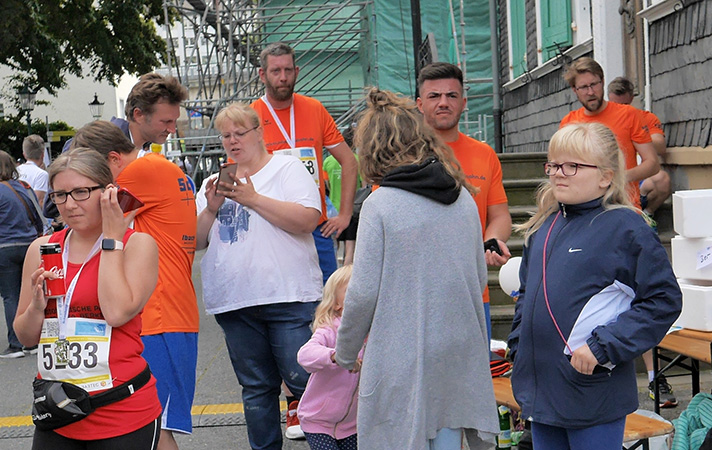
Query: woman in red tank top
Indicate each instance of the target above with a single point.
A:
(91, 335)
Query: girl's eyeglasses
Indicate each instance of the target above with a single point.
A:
(569, 169)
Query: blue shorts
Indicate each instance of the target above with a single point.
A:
(173, 358)
(325, 251)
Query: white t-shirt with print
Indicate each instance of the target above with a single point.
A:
(37, 178)
(251, 262)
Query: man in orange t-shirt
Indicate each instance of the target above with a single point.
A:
(170, 318)
(293, 121)
(656, 189)
(585, 76)
(442, 101)
(301, 126)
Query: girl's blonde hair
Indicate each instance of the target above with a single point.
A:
(392, 133)
(324, 315)
(595, 144)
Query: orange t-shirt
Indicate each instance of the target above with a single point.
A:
(169, 216)
(651, 122)
(625, 122)
(314, 128)
(483, 170)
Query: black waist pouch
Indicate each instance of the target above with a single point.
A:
(58, 403)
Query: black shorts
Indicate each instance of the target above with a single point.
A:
(145, 438)
(349, 234)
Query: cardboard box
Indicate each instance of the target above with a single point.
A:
(685, 258)
(696, 305)
(692, 213)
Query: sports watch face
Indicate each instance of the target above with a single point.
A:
(111, 244)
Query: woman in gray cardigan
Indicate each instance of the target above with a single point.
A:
(416, 291)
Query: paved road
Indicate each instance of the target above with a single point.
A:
(218, 422)
(217, 418)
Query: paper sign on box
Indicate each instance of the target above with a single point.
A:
(686, 258)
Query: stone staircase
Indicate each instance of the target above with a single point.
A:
(522, 174)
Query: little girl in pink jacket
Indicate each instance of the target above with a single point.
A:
(327, 410)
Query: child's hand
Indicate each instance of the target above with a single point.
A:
(357, 366)
(583, 360)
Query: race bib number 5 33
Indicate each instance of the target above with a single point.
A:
(82, 358)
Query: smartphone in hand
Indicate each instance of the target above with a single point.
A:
(127, 201)
(492, 245)
(226, 170)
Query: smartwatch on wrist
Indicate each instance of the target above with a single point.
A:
(111, 244)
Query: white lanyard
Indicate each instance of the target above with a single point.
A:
(291, 140)
(63, 303)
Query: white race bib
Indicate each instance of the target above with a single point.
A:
(307, 155)
(87, 364)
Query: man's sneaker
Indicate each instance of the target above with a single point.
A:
(667, 400)
(12, 353)
(294, 430)
(30, 350)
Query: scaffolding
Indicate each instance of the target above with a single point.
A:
(214, 51)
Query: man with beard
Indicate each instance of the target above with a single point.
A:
(585, 76)
(299, 125)
(442, 101)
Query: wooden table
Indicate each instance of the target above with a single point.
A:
(691, 345)
(638, 428)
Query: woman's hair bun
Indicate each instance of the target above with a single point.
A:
(379, 99)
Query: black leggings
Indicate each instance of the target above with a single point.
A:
(145, 438)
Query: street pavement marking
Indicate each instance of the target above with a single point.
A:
(16, 421)
(197, 410)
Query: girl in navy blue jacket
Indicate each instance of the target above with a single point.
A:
(597, 291)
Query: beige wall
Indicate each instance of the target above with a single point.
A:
(689, 167)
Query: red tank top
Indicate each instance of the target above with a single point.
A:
(125, 361)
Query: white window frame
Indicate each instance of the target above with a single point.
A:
(657, 9)
(582, 41)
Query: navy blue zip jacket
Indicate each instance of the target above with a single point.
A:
(609, 285)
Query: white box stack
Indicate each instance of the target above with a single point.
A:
(685, 258)
(696, 306)
(692, 256)
(692, 213)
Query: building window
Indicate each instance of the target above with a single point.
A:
(517, 37)
(555, 27)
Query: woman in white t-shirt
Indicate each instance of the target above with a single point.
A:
(260, 273)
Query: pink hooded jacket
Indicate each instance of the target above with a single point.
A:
(330, 400)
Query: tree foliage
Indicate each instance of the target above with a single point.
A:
(44, 40)
(13, 129)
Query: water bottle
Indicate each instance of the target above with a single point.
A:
(504, 440)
